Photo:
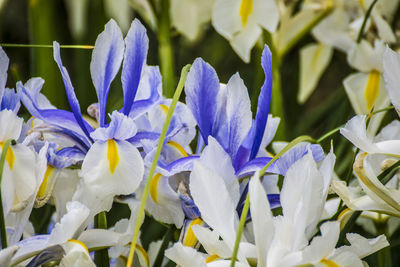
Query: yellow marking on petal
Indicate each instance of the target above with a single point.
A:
(112, 155)
(79, 243)
(43, 186)
(144, 254)
(329, 263)
(190, 239)
(178, 147)
(342, 213)
(246, 8)
(164, 108)
(213, 257)
(154, 187)
(372, 88)
(316, 56)
(10, 156)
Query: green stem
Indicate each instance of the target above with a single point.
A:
(47, 46)
(246, 206)
(101, 256)
(364, 23)
(146, 190)
(165, 49)
(166, 239)
(2, 219)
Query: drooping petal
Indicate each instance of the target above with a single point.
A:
(245, 40)
(106, 61)
(109, 168)
(14, 125)
(262, 7)
(238, 114)
(202, 88)
(69, 89)
(225, 17)
(185, 256)
(136, 46)
(264, 100)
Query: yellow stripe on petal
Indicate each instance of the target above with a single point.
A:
(213, 257)
(154, 187)
(144, 254)
(246, 8)
(44, 185)
(372, 88)
(190, 239)
(112, 155)
(329, 263)
(79, 243)
(178, 147)
(164, 108)
(10, 156)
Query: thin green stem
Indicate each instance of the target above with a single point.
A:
(166, 239)
(165, 51)
(101, 256)
(47, 46)
(364, 23)
(246, 206)
(146, 190)
(2, 219)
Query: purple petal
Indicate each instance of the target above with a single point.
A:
(202, 88)
(69, 89)
(264, 100)
(137, 44)
(106, 60)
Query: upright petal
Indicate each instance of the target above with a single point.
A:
(4, 61)
(391, 74)
(136, 46)
(69, 89)
(238, 113)
(264, 100)
(106, 60)
(202, 88)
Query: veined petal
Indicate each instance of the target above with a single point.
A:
(136, 46)
(106, 60)
(238, 114)
(11, 100)
(202, 89)
(69, 89)
(4, 61)
(262, 219)
(264, 100)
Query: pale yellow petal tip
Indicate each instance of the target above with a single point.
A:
(246, 8)
(164, 108)
(372, 89)
(112, 155)
(154, 187)
(212, 258)
(190, 239)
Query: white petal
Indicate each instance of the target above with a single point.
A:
(214, 202)
(225, 17)
(14, 125)
(262, 7)
(363, 246)
(211, 242)
(245, 40)
(391, 74)
(314, 59)
(4, 61)
(185, 256)
(261, 217)
(64, 189)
